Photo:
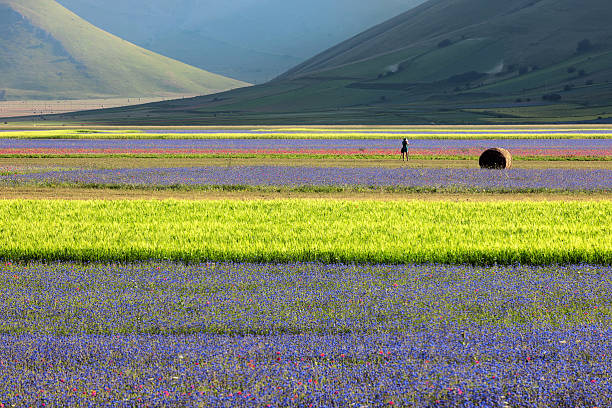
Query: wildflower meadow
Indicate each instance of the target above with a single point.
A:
(447, 286)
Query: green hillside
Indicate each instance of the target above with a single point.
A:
(446, 61)
(47, 52)
(519, 32)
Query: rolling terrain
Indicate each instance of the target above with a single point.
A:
(47, 52)
(252, 40)
(446, 61)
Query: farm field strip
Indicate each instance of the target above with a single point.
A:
(334, 178)
(336, 275)
(322, 160)
(64, 298)
(292, 144)
(587, 149)
(309, 230)
(255, 335)
(9, 165)
(308, 133)
(414, 370)
(227, 193)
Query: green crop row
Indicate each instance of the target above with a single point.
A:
(309, 230)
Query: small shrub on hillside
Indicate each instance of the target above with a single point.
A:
(552, 97)
(466, 77)
(584, 46)
(445, 43)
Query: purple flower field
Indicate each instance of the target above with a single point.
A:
(514, 179)
(165, 334)
(446, 368)
(304, 144)
(440, 131)
(258, 335)
(577, 132)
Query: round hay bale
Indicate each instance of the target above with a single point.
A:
(495, 158)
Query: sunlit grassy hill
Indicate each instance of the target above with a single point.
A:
(48, 52)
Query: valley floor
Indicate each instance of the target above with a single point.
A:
(305, 267)
(43, 108)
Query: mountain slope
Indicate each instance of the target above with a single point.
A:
(527, 32)
(47, 51)
(253, 40)
(447, 61)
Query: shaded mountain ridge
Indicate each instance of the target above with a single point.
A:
(252, 40)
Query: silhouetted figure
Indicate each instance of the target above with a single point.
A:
(405, 149)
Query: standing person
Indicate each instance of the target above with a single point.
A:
(405, 149)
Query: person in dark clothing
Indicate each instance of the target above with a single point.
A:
(405, 149)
